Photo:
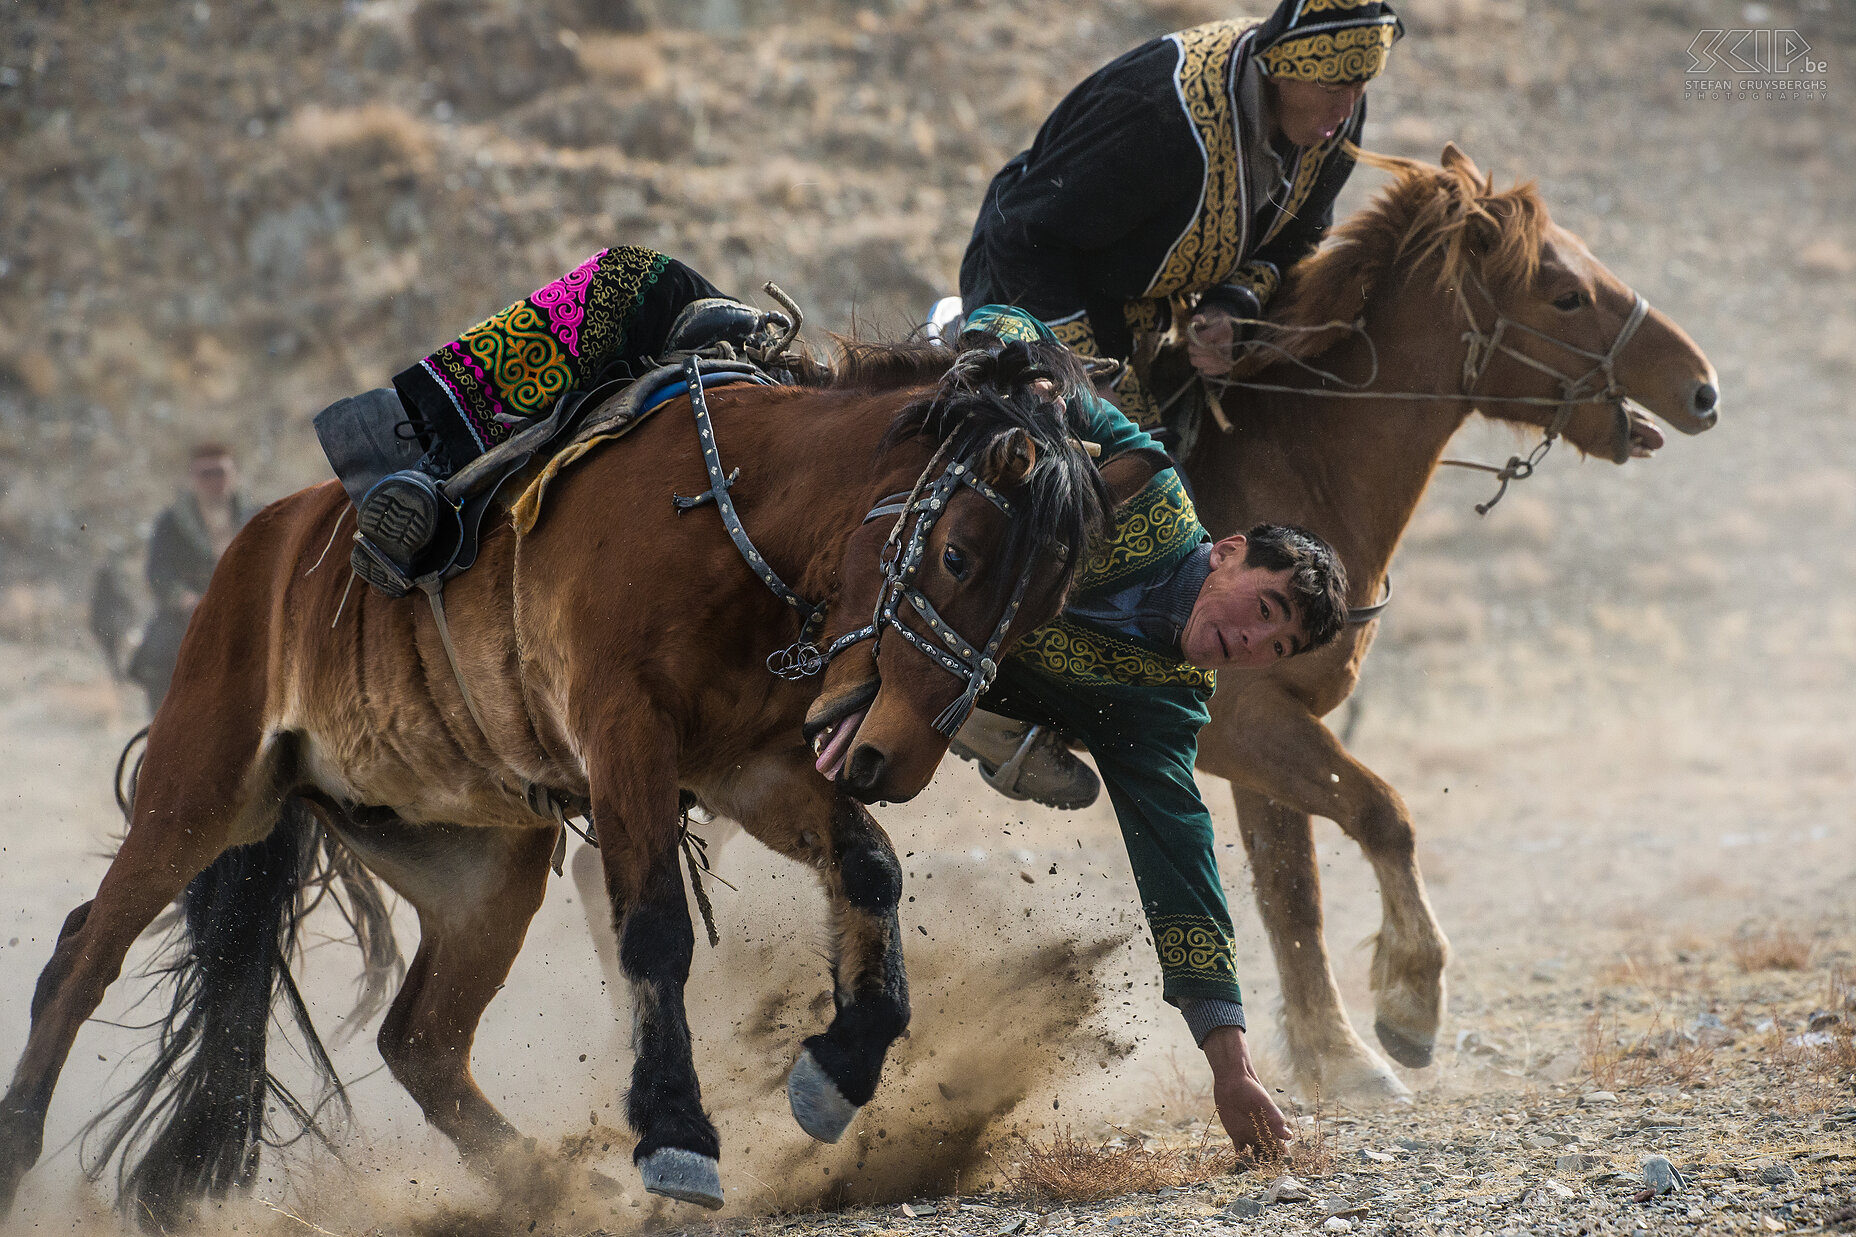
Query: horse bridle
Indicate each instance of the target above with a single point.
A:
(1597, 385)
(917, 511)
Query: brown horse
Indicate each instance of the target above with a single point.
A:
(1436, 255)
(615, 655)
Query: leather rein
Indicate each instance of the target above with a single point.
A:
(917, 512)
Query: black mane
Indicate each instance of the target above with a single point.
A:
(984, 395)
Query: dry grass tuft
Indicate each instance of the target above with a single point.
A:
(1071, 1170)
(1779, 950)
(1660, 1056)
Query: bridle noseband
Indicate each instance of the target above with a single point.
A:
(902, 560)
(917, 512)
(1597, 385)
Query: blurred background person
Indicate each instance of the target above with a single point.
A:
(188, 538)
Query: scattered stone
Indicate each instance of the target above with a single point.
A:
(1540, 1142)
(1011, 1226)
(1558, 1189)
(1577, 1163)
(1812, 1039)
(1710, 1032)
(1414, 1144)
(916, 1211)
(1377, 1157)
(1823, 1020)
(1592, 1099)
(1286, 1190)
(1334, 1224)
(1778, 1174)
(1341, 1205)
(1244, 1209)
(1659, 1177)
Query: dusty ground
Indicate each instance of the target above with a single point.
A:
(1619, 706)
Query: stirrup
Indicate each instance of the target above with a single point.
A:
(370, 563)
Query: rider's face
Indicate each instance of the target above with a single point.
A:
(1245, 617)
(1309, 114)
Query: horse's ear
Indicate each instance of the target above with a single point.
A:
(1460, 164)
(1009, 460)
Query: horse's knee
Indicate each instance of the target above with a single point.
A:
(63, 959)
(1385, 831)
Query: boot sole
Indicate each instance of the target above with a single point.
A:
(398, 518)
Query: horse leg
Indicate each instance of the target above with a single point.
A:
(1297, 762)
(806, 819)
(1331, 1061)
(635, 811)
(204, 789)
(475, 890)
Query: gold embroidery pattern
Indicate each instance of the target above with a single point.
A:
(1156, 523)
(1079, 654)
(1334, 6)
(612, 300)
(1356, 54)
(523, 359)
(1260, 277)
(1076, 335)
(1194, 947)
(1131, 394)
(1212, 244)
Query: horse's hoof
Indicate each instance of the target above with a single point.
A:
(818, 1106)
(687, 1176)
(1401, 1048)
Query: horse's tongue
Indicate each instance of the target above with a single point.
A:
(832, 758)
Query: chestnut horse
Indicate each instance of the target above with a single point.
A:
(613, 655)
(1437, 263)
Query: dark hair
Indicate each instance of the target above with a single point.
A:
(1317, 581)
(209, 450)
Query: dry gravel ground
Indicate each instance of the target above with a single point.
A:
(1618, 706)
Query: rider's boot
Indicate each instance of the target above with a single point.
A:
(1022, 761)
(713, 320)
(394, 523)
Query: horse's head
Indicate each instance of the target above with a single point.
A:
(1545, 321)
(977, 553)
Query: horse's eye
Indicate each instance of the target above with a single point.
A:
(955, 562)
(1571, 301)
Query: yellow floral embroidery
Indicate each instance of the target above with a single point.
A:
(1155, 524)
(1211, 245)
(1076, 335)
(1260, 277)
(1194, 947)
(1079, 654)
(1355, 54)
(1333, 6)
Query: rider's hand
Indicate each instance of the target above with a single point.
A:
(1209, 342)
(1250, 1116)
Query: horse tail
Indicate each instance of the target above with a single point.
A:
(195, 1120)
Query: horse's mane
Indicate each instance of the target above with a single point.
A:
(984, 394)
(871, 365)
(1427, 212)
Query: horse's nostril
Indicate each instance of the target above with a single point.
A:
(1706, 397)
(865, 769)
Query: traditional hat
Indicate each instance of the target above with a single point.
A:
(1328, 42)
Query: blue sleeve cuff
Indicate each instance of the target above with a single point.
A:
(1204, 1015)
